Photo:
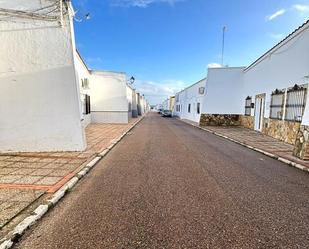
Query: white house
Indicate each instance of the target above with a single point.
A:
(189, 102)
(39, 92)
(269, 96)
(83, 77)
(111, 97)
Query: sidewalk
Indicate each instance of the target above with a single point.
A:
(257, 141)
(25, 177)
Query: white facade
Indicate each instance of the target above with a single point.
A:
(224, 90)
(110, 97)
(165, 104)
(83, 77)
(134, 104)
(39, 92)
(189, 102)
(282, 67)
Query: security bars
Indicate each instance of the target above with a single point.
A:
(295, 104)
(248, 106)
(277, 104)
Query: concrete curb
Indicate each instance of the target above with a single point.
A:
(266, 153)
(41, 210)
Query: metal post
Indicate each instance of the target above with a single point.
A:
(223, 43)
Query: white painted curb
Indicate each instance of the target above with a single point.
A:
(39, 212)
(283, 160)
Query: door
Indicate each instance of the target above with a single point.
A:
(259, 112)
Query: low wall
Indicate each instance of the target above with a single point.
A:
(247, 121)
(301, 143)
(285, 131)
(220, 120)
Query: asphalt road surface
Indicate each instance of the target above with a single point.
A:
(169, 185)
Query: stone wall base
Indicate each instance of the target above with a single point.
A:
(285, 131)
(247, 121)
(220, 120)
(301, 143)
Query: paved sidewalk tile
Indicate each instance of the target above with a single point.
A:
(260, 141)
(24, 177)
(257, 140)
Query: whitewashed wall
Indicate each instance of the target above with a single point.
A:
(82, 73)
(134, 104)
(190, 96)
(165, 104)
(130, 101)
(224, 91)
(282, 68)
(39, 108)
(109, 103)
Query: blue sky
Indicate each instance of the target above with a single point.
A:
(168, 44)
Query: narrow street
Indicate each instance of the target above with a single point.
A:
(169, 185)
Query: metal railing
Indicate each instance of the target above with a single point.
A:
(277, 104)
(248, 106)
(295, 104)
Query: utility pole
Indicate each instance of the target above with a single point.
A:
(223, 43)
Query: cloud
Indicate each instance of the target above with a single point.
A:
(214, 65)
(301, 8)
(157, 92)
(276, 36)
(94, 62)
(276, 14)
(140, 3)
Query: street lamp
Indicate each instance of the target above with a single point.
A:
(131, 80)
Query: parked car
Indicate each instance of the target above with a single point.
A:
(160, 111)
(166, 113)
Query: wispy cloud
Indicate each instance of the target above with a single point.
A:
(276, 14)
(301, 7)
(140, 3)
(276, 36)
(94, 62)
(157, 92)
(214, 65)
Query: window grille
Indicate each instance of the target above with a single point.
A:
(189, 108)
(277, 104)
(198, 108)
(85, 83)
(295, 104)
(248, 106)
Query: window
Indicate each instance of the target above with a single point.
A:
(198, 108)
(189, 108)
(85, 83)
(248, 106)
(177, 98)
(177, 108)
(295, 103)
(201, 90)
(277, 104)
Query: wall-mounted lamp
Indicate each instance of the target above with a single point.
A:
(131, 80)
